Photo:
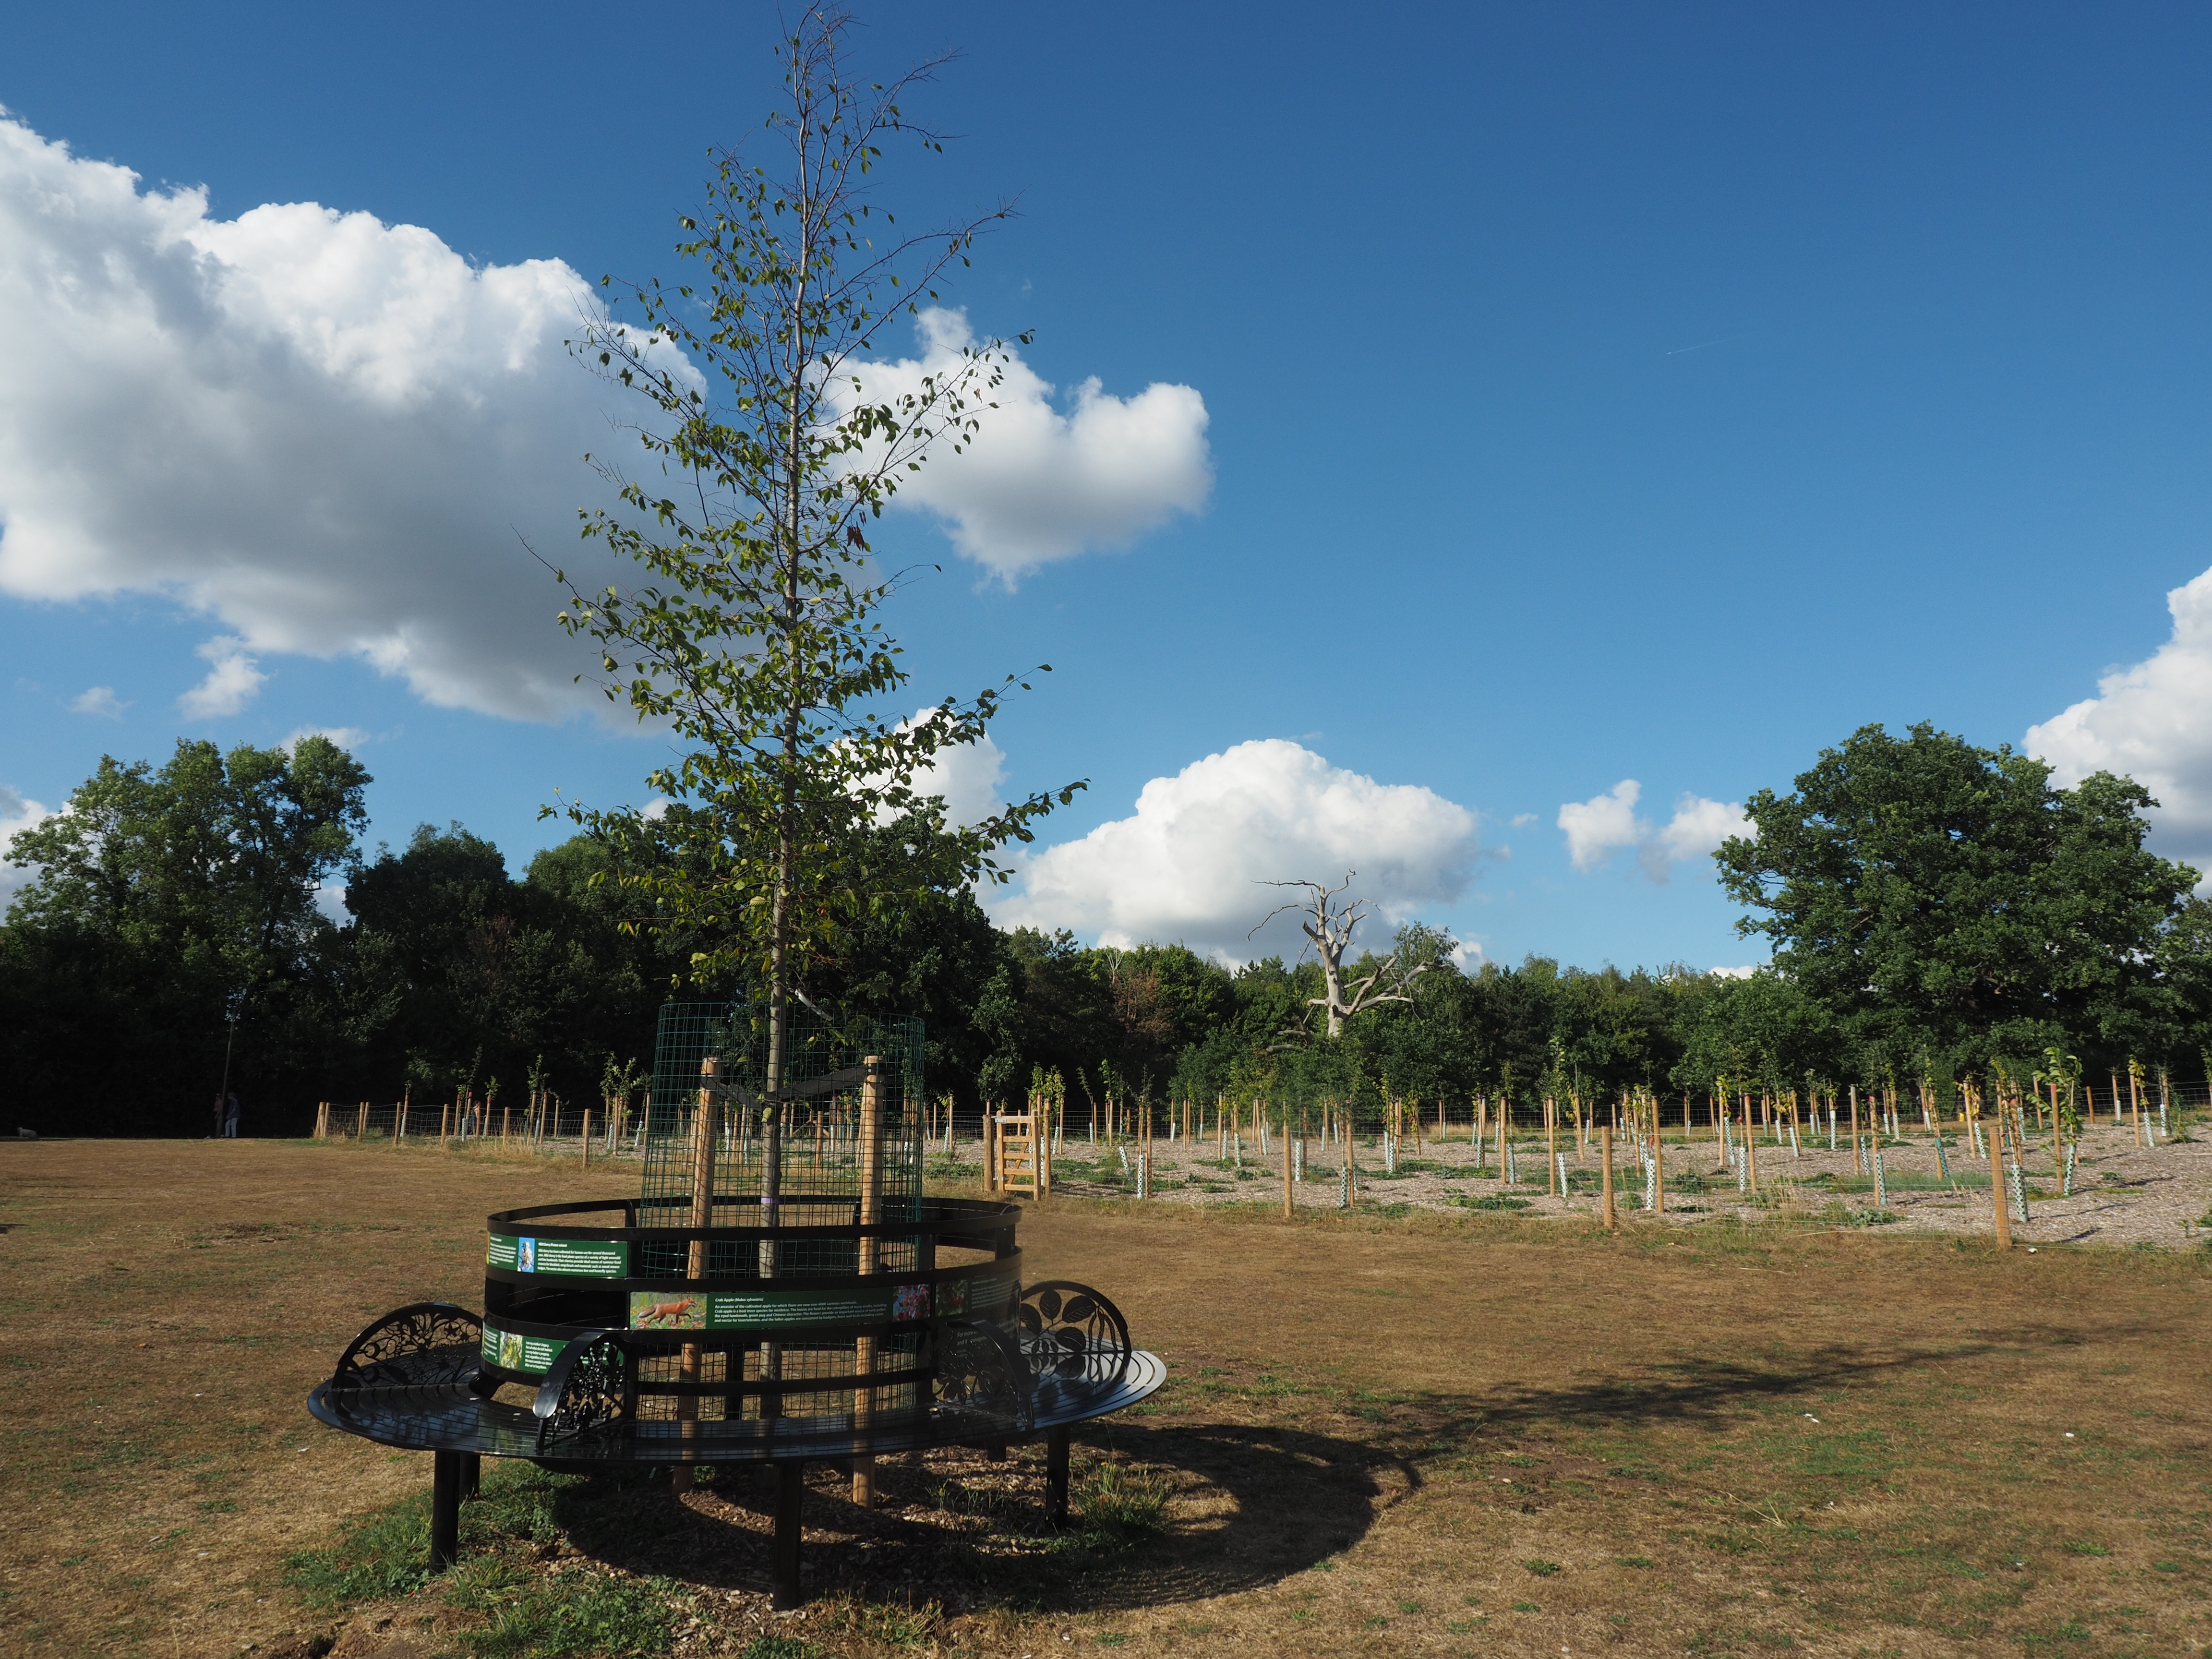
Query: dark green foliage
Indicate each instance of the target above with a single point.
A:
(1932, 905)
(1945, 901)
(163, 892)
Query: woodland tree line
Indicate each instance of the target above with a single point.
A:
(1933, 908)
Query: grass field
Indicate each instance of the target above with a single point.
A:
(1465, 1433)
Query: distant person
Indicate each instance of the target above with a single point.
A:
(216, 1133)
(230, 1118)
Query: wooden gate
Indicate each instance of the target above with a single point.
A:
(1015, 1165)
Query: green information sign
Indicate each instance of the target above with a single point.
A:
(532, 1355)
(575, 1258)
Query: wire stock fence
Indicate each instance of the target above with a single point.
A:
(553, 1128)
(656, 1131)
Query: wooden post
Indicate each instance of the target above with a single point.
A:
(588, 1137)
(1750, 1149)
(1286, 1170)
(1858, 1161)
(1041, 1126)
(506, 1123)
(872, 1212)
(1997, 1181)
(1551, 1146)
(688, 1363)
(1658, 1163)
(360, 1130)
(1605, 1141)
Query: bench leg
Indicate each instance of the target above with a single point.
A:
(445, 1508)
(1056, 1477)
(783, 1571)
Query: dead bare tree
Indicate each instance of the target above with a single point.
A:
(1330, 927)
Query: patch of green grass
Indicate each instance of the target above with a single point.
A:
(897, 1627)
(1541, 1567)
(778, 1647)
(536, 1615)
(530, 1613)
(1526, 1607)
(1492, 1201)
(383, 1554)
(1121, 1505)
(2087, 1547)
(1631, 1560)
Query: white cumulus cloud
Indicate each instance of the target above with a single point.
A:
(2152, 722)
(324, 431)
(1186, 867)
(1604, 824)
(1598, 827)
(1041, 482)
(333, 435)
(968, 777)
(230, 683)
(17, 813)
(348, 738)
(99, 699)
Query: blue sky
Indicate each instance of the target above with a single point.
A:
(1590, 393)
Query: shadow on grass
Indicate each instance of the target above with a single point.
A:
(1161, 1514)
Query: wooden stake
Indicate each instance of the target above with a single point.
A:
(1605, 1135)
(1858, 1162)
(1997, 1181)
(1551, 1146)
(1287, 1210)
(702, 1215)
(872, 1207)
(588, 1137)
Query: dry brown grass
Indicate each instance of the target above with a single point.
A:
(1424, 1435)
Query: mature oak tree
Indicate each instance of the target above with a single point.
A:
(1946, 900)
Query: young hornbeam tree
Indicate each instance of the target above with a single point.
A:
(1330, 925)
(753, 635)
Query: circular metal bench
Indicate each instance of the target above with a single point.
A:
(780, 1342)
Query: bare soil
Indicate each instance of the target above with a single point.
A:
(2123, 1193)
(1428, 1432)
